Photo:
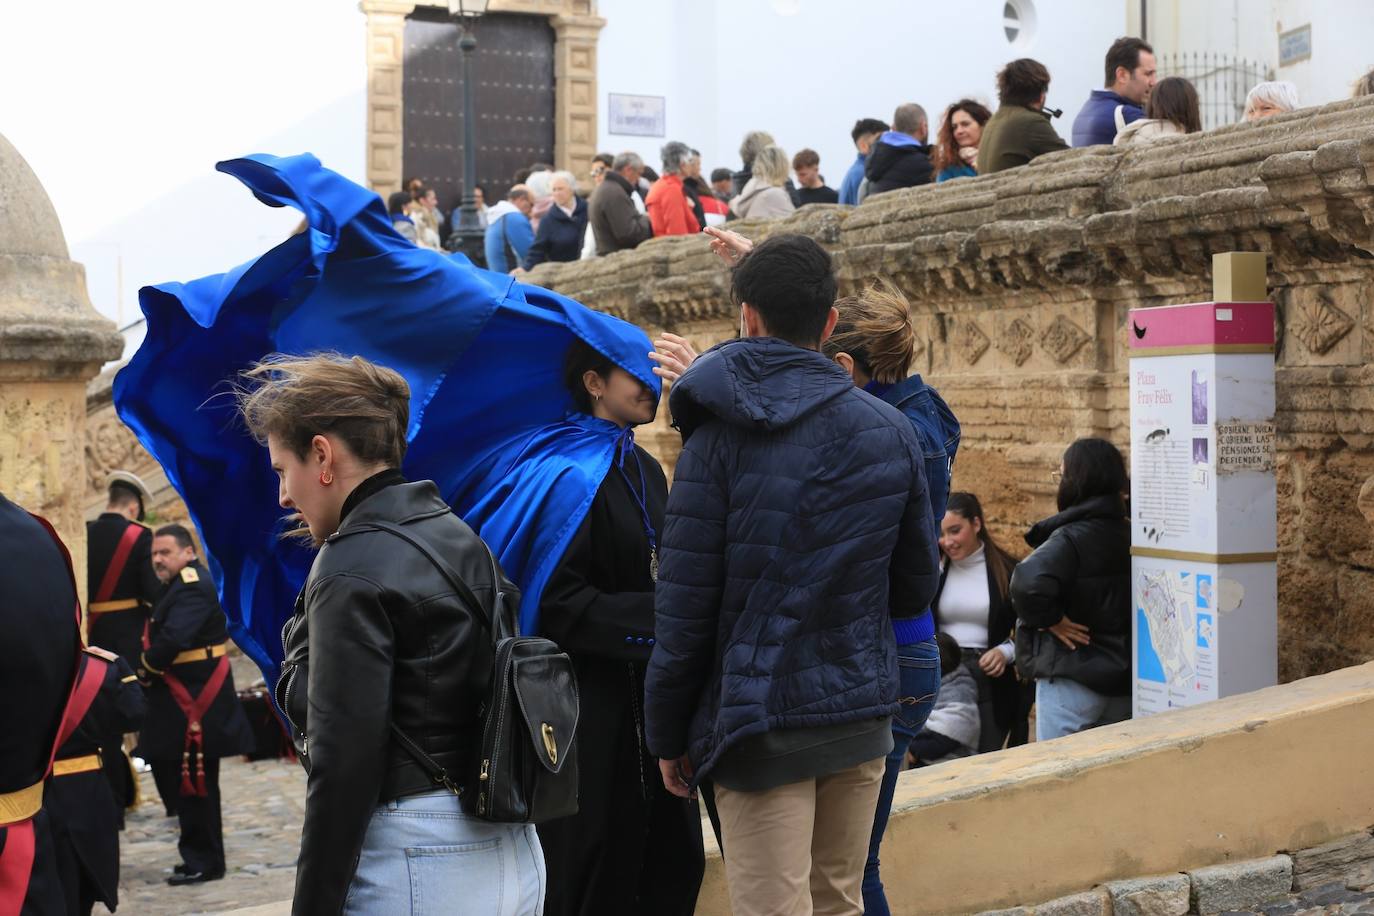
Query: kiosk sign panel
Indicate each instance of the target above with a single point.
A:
(1203, 503)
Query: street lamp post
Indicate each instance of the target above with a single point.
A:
(468, 234)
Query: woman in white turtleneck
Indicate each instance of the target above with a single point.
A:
(972, 607)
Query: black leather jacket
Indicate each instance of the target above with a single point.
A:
(379, 637)
(1081, 568)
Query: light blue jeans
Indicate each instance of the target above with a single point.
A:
(423, 855)
(1064, 707)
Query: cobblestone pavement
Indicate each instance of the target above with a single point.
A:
(263, 804)
(1328, 899)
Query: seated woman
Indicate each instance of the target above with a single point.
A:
(956, 151)
(951, 731)
(1172, 110)
(764, 195)
(632, 847)
(972, 606)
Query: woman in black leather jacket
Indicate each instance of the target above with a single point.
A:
(1072, 596)
(380, 642)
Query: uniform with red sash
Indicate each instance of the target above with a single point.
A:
(120, 590)
(120, 584)
(41, 700)
(194, 716)
(83, 812)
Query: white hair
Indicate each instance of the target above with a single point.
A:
(538, 183)
(563, 175)
(1282, 94)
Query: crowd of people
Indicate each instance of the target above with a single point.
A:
(810, 610)
(629, 202)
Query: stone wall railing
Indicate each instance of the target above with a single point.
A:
(1020, 284)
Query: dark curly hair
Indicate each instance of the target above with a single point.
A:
(946, 149)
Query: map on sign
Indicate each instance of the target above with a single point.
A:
(1169, 632)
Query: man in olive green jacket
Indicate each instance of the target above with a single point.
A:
(1020, 130)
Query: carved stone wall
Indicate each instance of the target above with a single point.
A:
(1020, 285)
(111, 446)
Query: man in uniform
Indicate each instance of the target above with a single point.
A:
(121, 588)
(121, 585)
(194, 717)
(83, 811)
(39, 629)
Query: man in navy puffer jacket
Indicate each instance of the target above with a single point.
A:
(797, 524)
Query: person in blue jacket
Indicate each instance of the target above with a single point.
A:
(797, 555)
(865, 133)
(874, 342)
(1130, 76)
(508, 234)
(562, 228)
(900, 158)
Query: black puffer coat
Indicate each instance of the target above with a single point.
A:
(379, 636)
(1081, 569)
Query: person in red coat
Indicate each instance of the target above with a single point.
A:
(670, 211)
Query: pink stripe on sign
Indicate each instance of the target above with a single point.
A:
(1201, 324)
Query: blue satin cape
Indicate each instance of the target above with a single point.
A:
(490, 419)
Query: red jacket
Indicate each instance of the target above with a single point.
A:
(669, 211)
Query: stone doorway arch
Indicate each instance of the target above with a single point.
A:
(576, 29)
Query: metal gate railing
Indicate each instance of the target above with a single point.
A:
(1221, 81)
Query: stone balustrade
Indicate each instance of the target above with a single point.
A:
(1020, 285)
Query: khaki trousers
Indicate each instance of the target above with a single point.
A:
(800, 849)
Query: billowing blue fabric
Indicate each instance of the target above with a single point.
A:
(491, 422)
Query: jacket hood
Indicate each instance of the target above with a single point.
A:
(500, 209)
(891, 149)
(1098, 507)
(893, 138)
(755, 382)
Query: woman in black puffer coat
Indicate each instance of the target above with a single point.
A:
(1073, 597)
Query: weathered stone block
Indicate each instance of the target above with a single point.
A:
(1241, 885)
(1014, 911)
(1349, 860)
(1161, 895)
(1095, 902)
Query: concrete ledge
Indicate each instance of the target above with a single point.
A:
(1289, 767)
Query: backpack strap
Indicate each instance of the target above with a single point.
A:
(459, 586)
(1120, 117)
(438, 773)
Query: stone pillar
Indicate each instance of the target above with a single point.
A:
(52, 342)
(574, 74)
(386, 28)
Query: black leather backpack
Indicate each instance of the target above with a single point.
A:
(526, 771)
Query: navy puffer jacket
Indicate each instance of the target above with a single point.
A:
(798, 517)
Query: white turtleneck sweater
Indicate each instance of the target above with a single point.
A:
(965, 602)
